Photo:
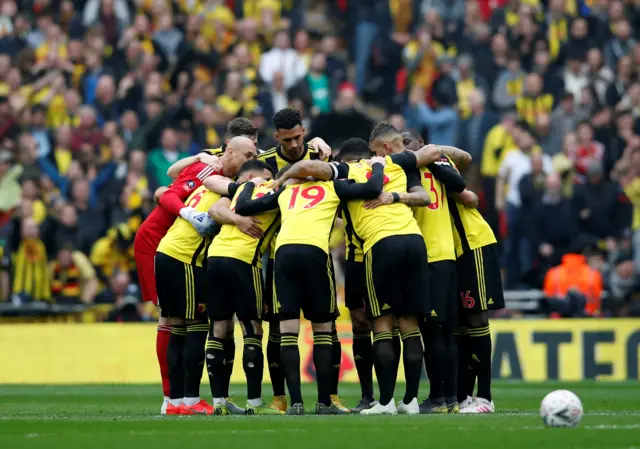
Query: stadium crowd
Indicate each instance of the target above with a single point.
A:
(99, 98)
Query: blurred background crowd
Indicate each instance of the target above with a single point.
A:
(99, 97)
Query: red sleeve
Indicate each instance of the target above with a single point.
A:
(189, 179)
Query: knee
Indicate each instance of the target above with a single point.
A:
(322, 327)
(478, 320)
(220, 329)
(359, 322)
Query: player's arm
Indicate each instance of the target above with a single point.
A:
(221, 185)
(246, 206)
(467, 198)
(321, 147)
(415, 196)
(212, 161)
(158, 193)
(172, 200)
(221, 212)
(348, 189)
(322, 171)
(444, 172)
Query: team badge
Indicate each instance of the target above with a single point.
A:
(189, 185)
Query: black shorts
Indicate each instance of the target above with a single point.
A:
(235, 287)
(268, 293)
(397, 275)
(355, 285)
(443, 293)
(479, 281)
(304, 281)
(181, 288)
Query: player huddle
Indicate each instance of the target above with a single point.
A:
(421, 272)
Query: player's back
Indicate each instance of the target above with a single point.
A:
(470, 229)
(434, 220)
(182, 241)
(372, 225)
(232, 242)
(308, 213)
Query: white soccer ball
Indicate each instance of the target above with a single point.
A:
(561, 408)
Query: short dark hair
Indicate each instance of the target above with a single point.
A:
(241, 127)
(254, 165)
(287, 118)
(382, 129)
(354, 149)
(413, 133)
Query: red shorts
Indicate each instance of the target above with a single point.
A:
(147, 277)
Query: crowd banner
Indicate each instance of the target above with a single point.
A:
(526, 350)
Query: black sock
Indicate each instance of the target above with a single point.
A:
(397, 353)
(363, 358)
(383, 360)
(193, 358)
(290, 356)
(412, 358)
(481, 354)
(229, 356)
(450, 366)
(214, 356)
(336, 360)
(253, 364)
(434, 360)
(462, 342)
(273, 359)
(175, 352)
(323, 361)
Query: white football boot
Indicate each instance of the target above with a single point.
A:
(478, 406)
(412, 408)
(163, 408)
(379, 409)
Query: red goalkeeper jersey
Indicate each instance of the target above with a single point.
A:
(162, 217)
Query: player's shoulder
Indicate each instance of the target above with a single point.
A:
(268, 153)
(198, 170)
(214, 151)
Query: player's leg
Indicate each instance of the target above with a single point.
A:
(450, 344)
(413, 303)
(382, 288)
(336, 346)
(355, 291)
(194, 345)
(397, 348)
(289, 292)
(220, 295)
(173, 304)
(273, 342)
(489, 294)
(145, 265)
(323, 362)
(229, 359)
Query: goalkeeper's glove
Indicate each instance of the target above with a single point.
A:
(201, 222)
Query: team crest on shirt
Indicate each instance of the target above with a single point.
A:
(189, 185)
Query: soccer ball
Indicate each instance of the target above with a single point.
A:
(561, 408)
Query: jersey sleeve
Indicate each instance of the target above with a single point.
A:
(444, 172)
(189, 180)
(340, 170)
(413, 178)
(247, 206)
(407, 160)
(348, 189)
(233, 189)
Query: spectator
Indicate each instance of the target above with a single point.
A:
(162, 158)
(587, 151)
(620, 45)
(516, 165)
(73, 278)
(600, 76)
(474, 130)
(552, 79)
(441, 121)
(573, 288)
(549, 135)
(533, 101)
(30, 271)
(467, 81)
(127, 308)
(282, 59)
(508, 86)
(113, 254)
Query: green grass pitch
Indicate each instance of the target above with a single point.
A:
(116, 417)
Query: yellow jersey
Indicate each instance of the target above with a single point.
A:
(231, 242)
(309, 210)
(632, 190)
(372, 225)
(215, 151)
(353, 245)
(277, 160)
(182, 241)
(470, 229)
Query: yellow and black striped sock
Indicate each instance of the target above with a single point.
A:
(322, 359)
(253, 364)
(383, 360)
(273, 359)
(175, 353)
(215, 365)
(290, 357)
(363, 359)
(397, 353)
(480, 343)
(412, 360)
(229, 356)
(193, 358)
(336, 360)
